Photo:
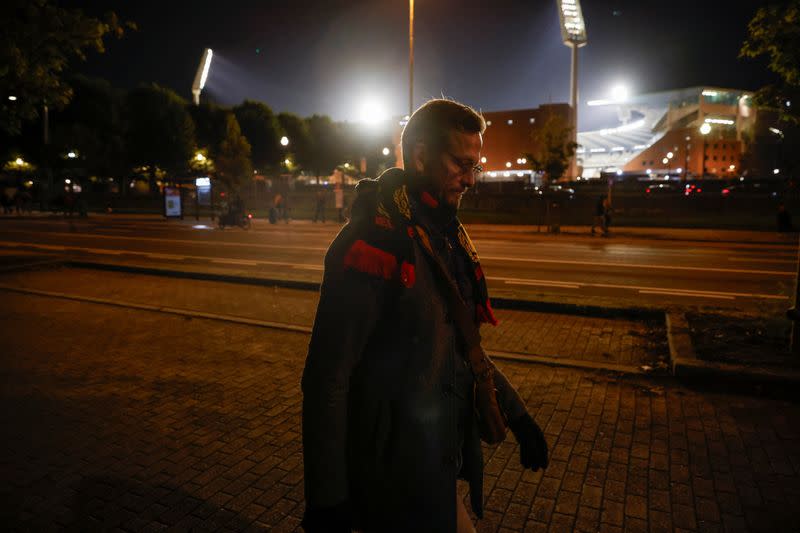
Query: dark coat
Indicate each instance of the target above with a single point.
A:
(380, 397)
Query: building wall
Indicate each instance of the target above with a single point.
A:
(509, 135)
(722, 149)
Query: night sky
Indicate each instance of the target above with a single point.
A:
(328, 56)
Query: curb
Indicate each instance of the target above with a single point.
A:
(687, 367)
(634, 313)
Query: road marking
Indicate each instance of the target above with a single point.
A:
(634, 265)
(180, 241)
(696, 295)
(710, 294)
(755, 260)
(543, 283)
(173, 257)
(235, 262)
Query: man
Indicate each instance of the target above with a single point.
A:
(388, 410)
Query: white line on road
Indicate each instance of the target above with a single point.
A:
(696, 295)
(235, 262)
(543, 283)
(634, 265)
(710, 294)
(757, 260)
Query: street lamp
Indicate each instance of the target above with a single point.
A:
(72, 155)
(705, 129)
(385, 150)
(284, 141)
(573, 34)
(12, 98)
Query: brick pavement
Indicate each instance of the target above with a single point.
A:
(602, 340)
(137, 421)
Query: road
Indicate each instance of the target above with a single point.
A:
(518, 262)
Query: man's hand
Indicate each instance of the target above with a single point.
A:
(335, 519)
(532, 446)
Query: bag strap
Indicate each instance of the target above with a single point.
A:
(482, 368)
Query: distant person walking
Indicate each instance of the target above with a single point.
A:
(601, 215)
(784, 219)
(319, 211)
(338, 195)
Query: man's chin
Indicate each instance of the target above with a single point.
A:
(453, 199)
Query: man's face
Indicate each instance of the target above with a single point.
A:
(451, 170)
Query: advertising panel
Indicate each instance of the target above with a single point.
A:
(172, 202)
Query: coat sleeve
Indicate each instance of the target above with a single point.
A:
(507, 396)
(349, 307)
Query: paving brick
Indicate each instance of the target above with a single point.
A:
(206, 434)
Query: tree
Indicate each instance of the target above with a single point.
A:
(210, 122)
(233, 157)
(160, 130)
(774, 32)
(296, 130)
(91, 128)
(327, 146)
(263, 132)
(39, 39)
(553, 147)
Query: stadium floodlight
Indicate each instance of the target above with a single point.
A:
(573, 34)
(201, 75)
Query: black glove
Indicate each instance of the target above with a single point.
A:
(334, 519)
(532, 446)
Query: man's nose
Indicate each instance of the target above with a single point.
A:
(468, 179)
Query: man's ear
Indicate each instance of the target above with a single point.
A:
(418, 158)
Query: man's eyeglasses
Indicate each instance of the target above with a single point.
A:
(465, 165)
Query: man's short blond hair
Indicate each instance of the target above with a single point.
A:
(432, 123)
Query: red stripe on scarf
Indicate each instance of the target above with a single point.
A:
(478, 273)
(407, 274)
(365, 258)
(429, 200)
(486, 314)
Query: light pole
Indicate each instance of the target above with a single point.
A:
(573, 34)
(410, 57)
(705, 129)
(201, 75)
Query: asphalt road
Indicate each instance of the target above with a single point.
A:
(620, 270)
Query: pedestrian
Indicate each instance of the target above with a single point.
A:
(606, 216)
(338, 197)
(600, 215)
(394, 374)
(319, 210)
(784, 219)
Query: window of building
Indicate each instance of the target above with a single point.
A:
(644, 163)
(715, 146)
(723, 158)
(724, 146)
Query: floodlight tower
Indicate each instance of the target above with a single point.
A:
(202, 75)
(573, 33)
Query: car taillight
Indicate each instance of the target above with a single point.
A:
(647, 190)
(726, 191)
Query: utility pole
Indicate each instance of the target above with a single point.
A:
(410, 57)
(573, 34)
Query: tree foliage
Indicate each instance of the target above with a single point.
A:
(160, 129)
(233, 157)
(259, 124)
(211, 123)
(327, 150)
(38, 39)
(296, 130)
(553, 147)
(92, 127)
(774, 33)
